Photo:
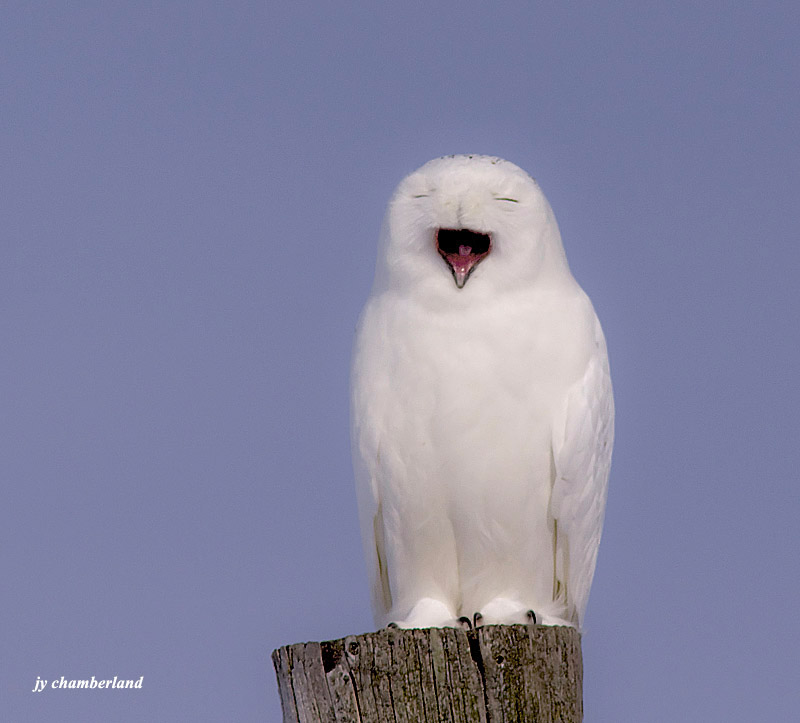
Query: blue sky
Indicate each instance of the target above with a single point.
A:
(192, 194)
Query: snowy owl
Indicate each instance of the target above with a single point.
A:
(481, 404)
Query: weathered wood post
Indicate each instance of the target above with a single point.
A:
(495, 674)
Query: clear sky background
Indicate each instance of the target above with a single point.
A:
(191, 194)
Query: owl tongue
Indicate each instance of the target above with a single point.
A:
(462, 263)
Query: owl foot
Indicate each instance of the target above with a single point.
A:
(504, 611)
(429, 613)
(477, 619)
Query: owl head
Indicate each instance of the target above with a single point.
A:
(467, 226)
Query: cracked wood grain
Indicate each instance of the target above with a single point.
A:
(495, 674)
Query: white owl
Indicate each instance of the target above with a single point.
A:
(482, 411)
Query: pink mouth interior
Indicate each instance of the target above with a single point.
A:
(462, 249)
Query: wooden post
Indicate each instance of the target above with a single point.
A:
(495, 674)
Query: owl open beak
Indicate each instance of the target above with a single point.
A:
(463, 250)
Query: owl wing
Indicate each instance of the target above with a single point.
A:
(583, 436)
(370, 511)
(366, 426)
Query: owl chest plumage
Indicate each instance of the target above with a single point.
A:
(466, 397)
